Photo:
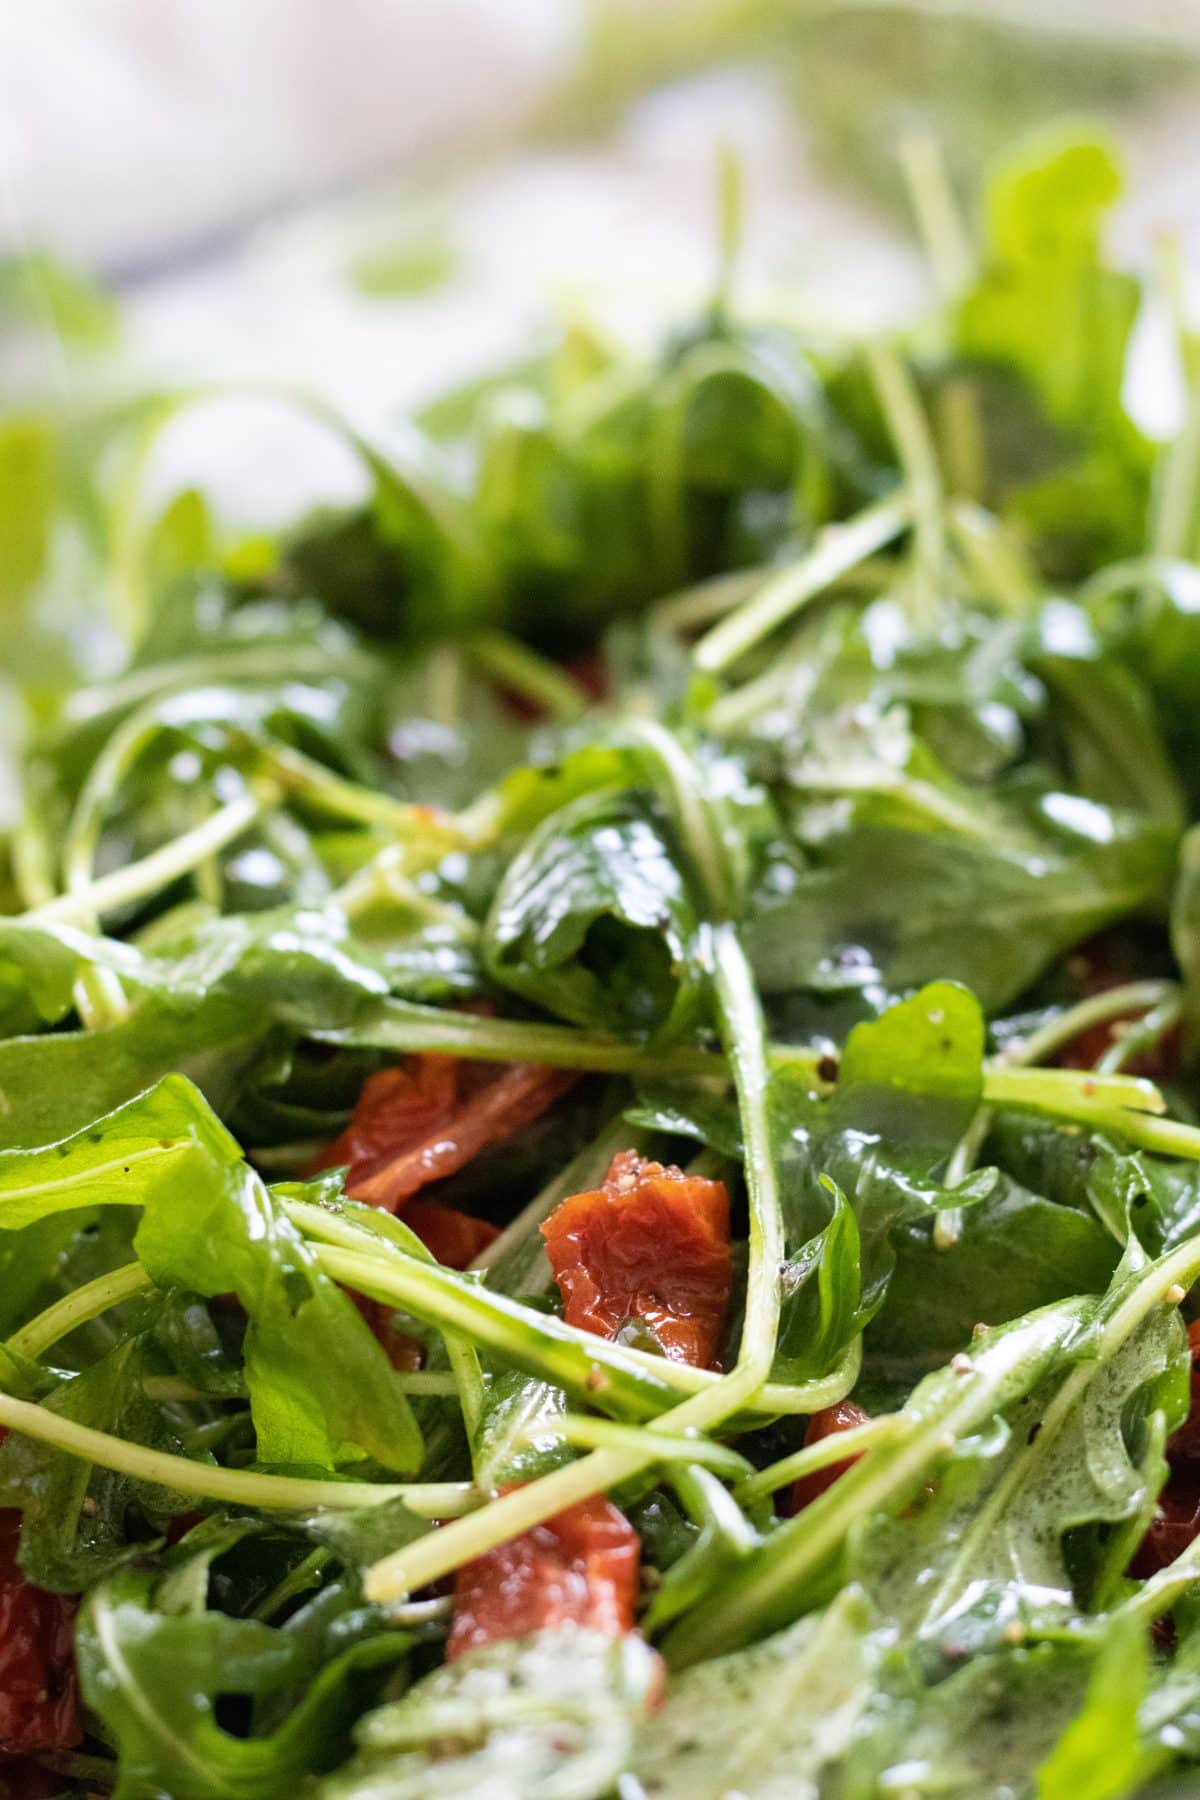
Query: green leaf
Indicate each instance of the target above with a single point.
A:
(204, 1000)
(1015, 1252)
(1044, 303)
(549, 1717)
(991, 917)
(321, 1387)
(908, 1086)
(155, 1664)
(593, 922)
(1100, 1756)
(772, 1723)
(77, 1520)
(987, 1549)
(516, 1437)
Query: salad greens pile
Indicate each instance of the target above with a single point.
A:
(798, 742)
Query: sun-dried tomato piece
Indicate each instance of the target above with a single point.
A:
(494, 1114)
(455, 1238)
(579, 1568)
(396, 1108)
(650, 1244)
(845, 1416)
(39, 1697)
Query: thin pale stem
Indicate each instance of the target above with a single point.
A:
(230, 1487)
(123, 887)
(837, 550)
(838, 1447)
(76, 1308)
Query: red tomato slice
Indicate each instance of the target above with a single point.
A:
(651, 1244)
(579, 1568)
(39, 1699)
(396, 1108)
(492, 1115)
(845, 1416)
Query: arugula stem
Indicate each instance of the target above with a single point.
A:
(1097, 1009)
(909, 428)
(540, 1343)
(702, 837)
(1071, 1093)
(1142, 1037)
(515, 666)
(991, 558)
(836, 1448)
(76, 1308)
(444, 684)
(230, 1487)
(172, 1388)
(837, 549)
(407, 1025)
(232, 664)
(300, 1580)
(109, 893)
(308, 780)
(707, 601)
(588, 1433)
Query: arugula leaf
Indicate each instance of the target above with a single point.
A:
(538, 1718)
(1075, 1452)
(206, 1001)
(321, 1389)
(593, 922)
(76, 1520)
(1015, 1252)
(983, 914)
(163, 1674)
(1100, 1756)
(908, 1086)
(810, 1686)
(1046, 308)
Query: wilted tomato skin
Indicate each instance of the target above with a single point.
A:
(845, 1416)
(39, 1699)
(396, 1108)
(653, 1244)
(579, 1568)
(474, 1121)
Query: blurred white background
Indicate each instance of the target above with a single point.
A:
(378, 198)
